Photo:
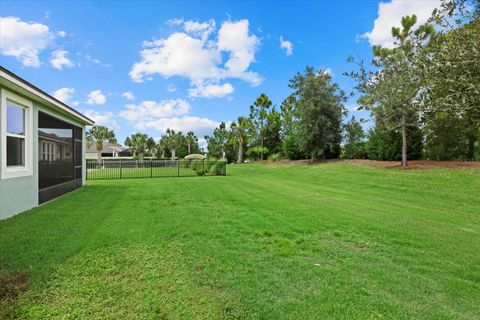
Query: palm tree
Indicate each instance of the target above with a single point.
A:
(239, 131)
(152, 147)
(190, 139)
(173, 139)
(163, 145)
(139, 143)
(100, 135)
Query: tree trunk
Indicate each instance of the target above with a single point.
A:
(189, 148)
(140, 155)
(404, 144)
(173, 154)
(240, 152)
(99, 151)
(163, 153)
(261, 152)
(471, 147)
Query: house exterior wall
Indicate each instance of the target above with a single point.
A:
(20, 194)
(91, 155)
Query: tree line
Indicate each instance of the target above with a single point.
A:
(171, 145)
(423, 96)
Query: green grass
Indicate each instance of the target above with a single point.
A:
(329, 241)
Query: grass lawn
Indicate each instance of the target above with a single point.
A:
(328, 241)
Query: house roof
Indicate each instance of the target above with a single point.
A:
(16, 83)
(107, 147)
(52, 137)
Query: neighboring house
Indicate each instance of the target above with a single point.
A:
(53, 148)
(109, 150)
(126, 153)
(41, 146)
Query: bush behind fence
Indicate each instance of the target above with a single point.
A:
(121, 169)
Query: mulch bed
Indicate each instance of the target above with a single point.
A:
(418, 164)
(413, 164)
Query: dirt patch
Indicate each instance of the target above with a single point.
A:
(413, 164)
(11, 286)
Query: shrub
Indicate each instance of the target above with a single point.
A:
(275, 157)
(291, 149)
(195, 156)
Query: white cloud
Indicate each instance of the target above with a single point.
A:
(171, 88)
(59, 60)
(91, 59)
(96, 97)
(287, 46)
(177, 55)
(201, 126)
(233, 37)
(64, 94)
(196, 54)
(102, 118)
(150, 110)
(128, 95)
(160, 116)
(211, 91)
(24, 40)
(390, 15)
(199, 29)
(61, 34)
(175, 21)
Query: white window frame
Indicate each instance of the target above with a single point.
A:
(27, 168)
(48, 151)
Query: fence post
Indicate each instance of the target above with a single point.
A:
(178, 168)
(151, 168)
(121, 168)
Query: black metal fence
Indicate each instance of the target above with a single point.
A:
(121, 169)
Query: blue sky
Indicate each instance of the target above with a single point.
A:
(145, 66)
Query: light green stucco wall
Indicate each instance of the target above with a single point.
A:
(20, 194)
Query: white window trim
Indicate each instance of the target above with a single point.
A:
(27, 169)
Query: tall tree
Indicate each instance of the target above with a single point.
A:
(259, 117)
(163, 145)
(394, 90)
(100, 135)
(217, 143)
(353, 136)
(273, 138)
(174, 139)
(240, 130)
(453, 82)
(287, 115)
(191, 139)
(139, 143)
(318, 108)
(152, 147)
(289, 131)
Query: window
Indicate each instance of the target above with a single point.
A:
(16, 131)
(15, 134)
